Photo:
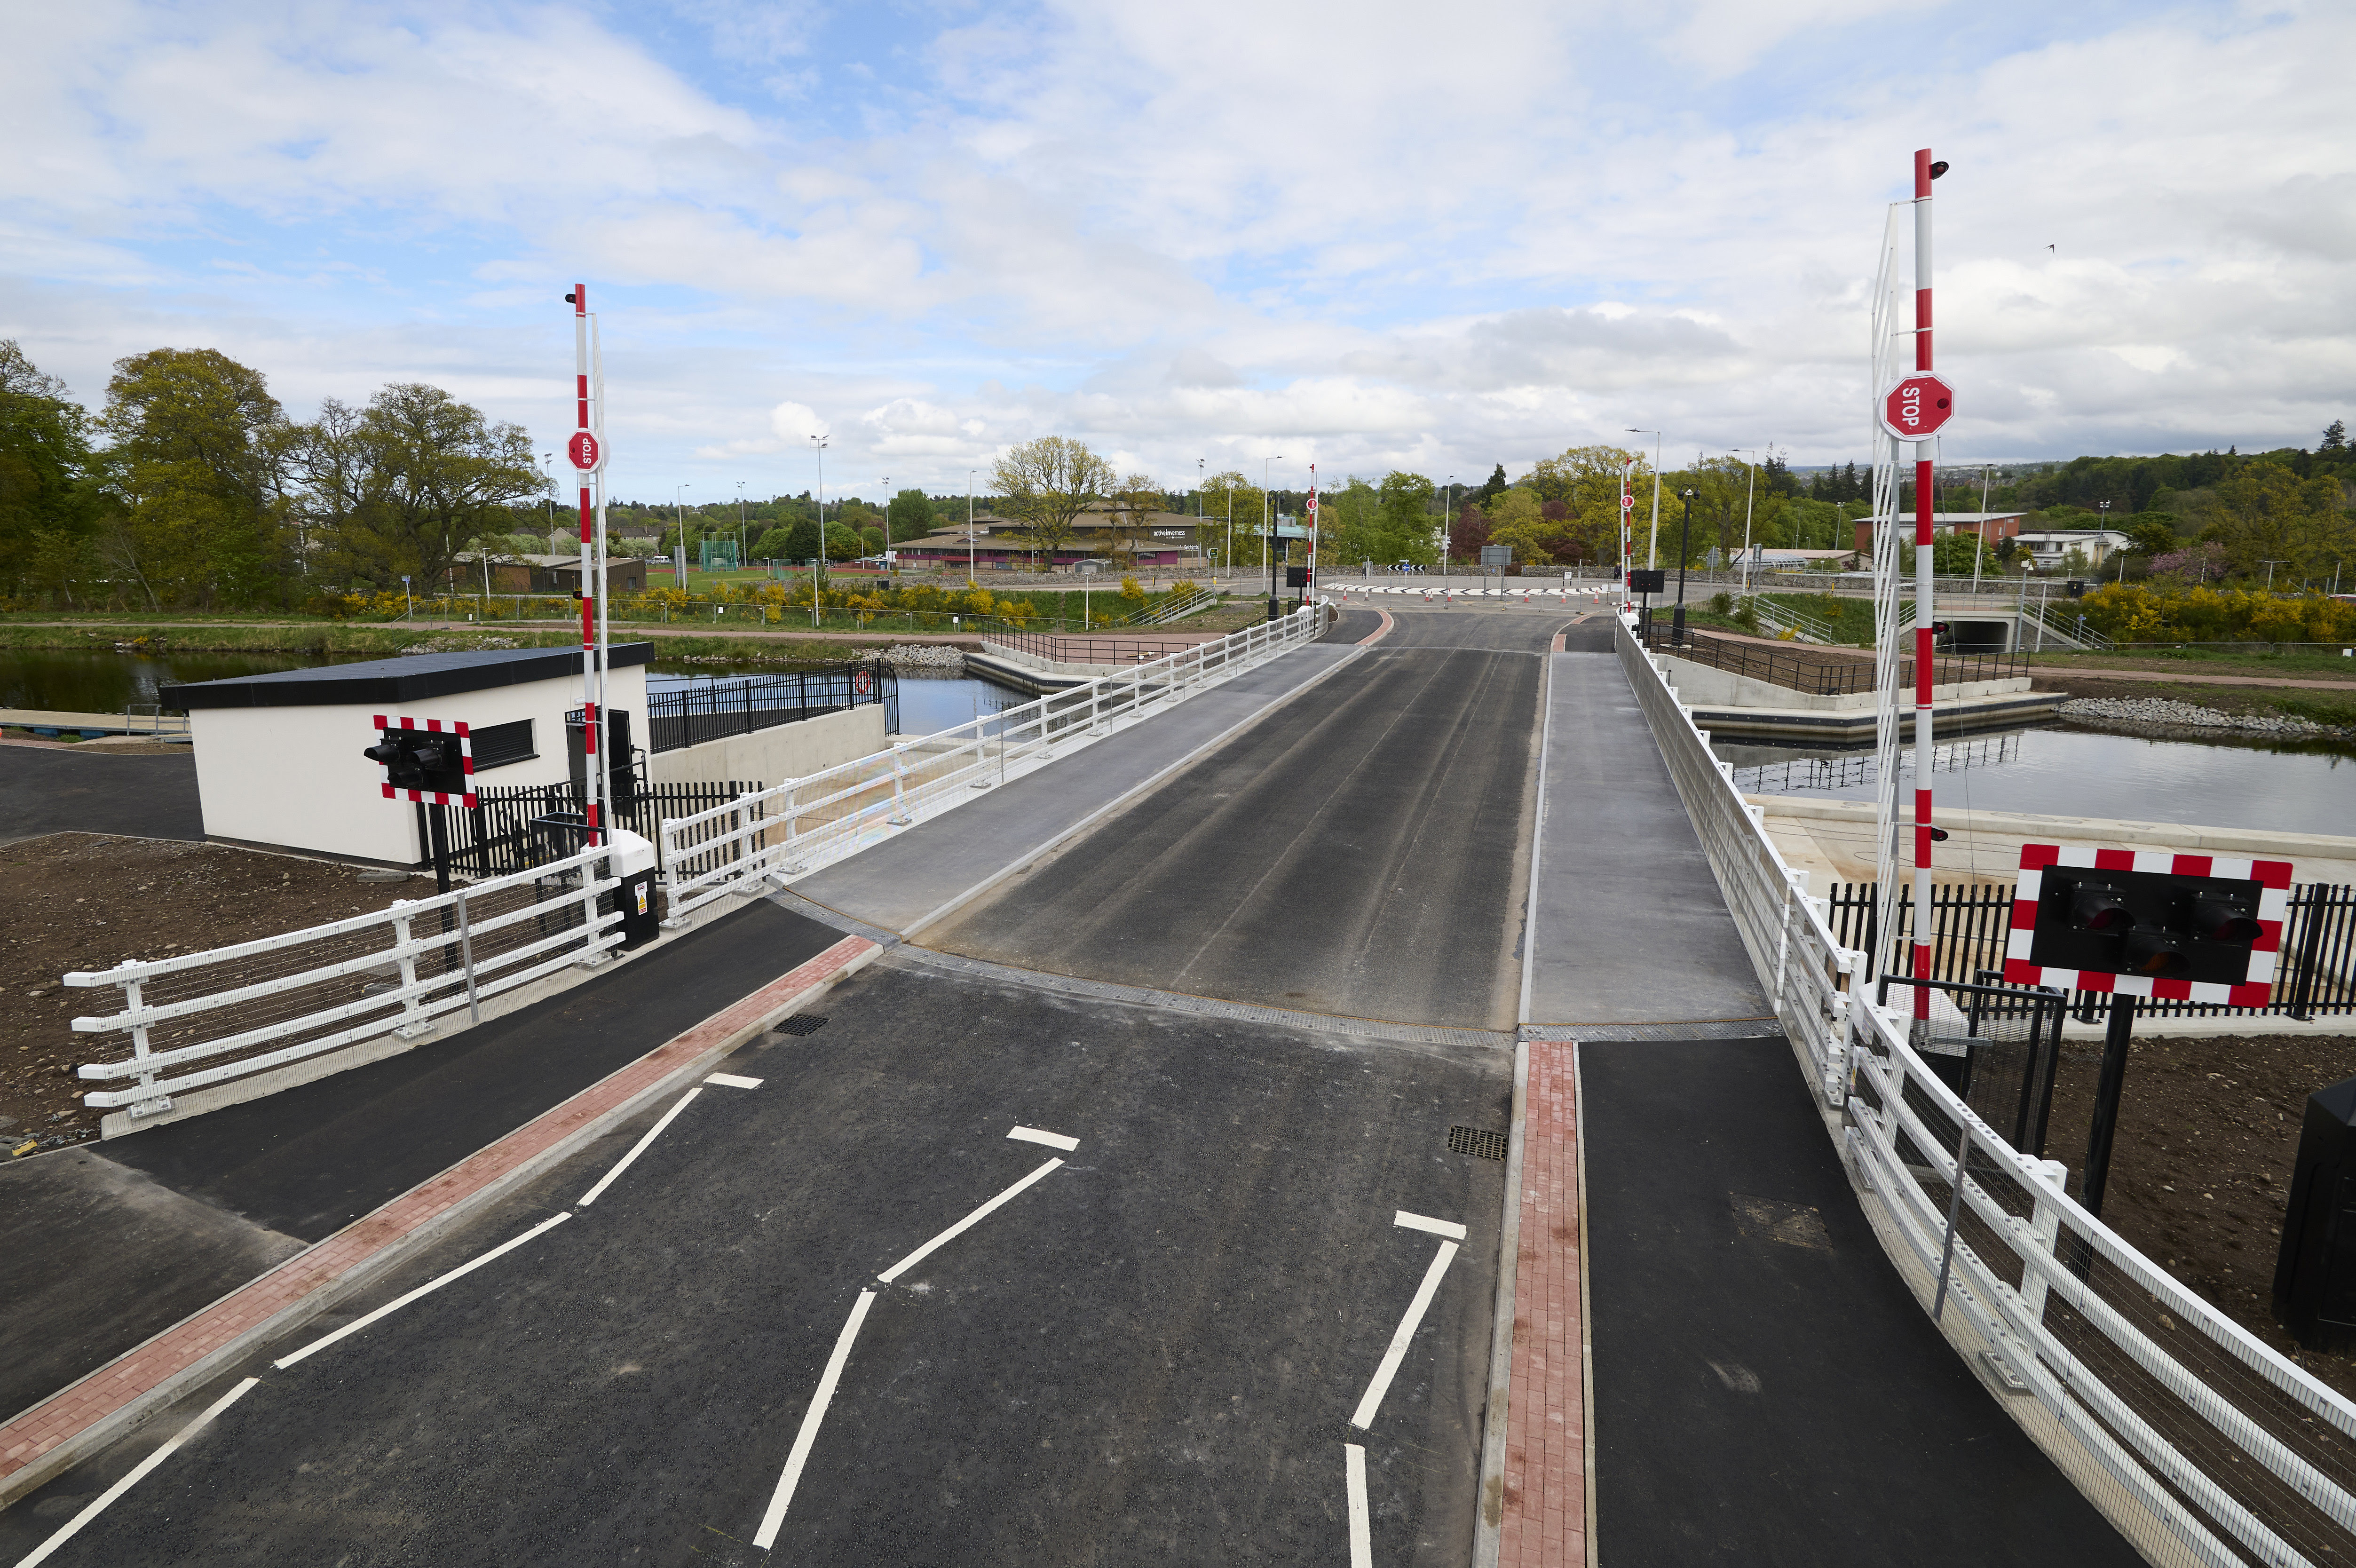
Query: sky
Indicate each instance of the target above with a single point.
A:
(1369, 237)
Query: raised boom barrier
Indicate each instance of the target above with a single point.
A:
(805, 823)
(2201, 1443)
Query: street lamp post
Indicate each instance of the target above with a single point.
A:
(817, 566)
(1685, 542)
(741, 551)
(969, 473)
(679, 505)
(1653, 550)
(1268, 528)
(1750, 492)
(1447, 521)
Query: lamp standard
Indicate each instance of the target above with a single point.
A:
(1268, 528)
(1750, 492)
(969, 473)
(1685, 542)
(1447, 521)
(817, 566)
(1653, 550)
(679, 505)
(740, 524)
(545, 459)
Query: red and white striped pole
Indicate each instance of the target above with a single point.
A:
(1925, 610)
(1311, 587)
(586, 454)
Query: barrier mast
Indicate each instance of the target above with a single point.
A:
(587, 453)
(1925, 607)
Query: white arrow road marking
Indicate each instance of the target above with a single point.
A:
(730, 1081)
(636, 1149)
(1448, 1228)
(767, 1536)
(962, 1225)
(397, 1303)
(1362, 1534)
(139, 1473)
(1364, 1416)
(1053, 1140)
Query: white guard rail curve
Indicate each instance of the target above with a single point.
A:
(2201, 1443)
(229, 1012)
(792, 828)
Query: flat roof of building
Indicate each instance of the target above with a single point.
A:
(407, 679)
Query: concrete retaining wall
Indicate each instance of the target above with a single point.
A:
(775, 755)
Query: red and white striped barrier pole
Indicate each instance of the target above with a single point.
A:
(587, 453)
(1924, 609)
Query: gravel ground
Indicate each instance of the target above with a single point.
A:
(2184, 716)
(927, 655)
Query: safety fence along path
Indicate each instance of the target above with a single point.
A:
(207, 1018)
(2201, 1443)
(797, 827)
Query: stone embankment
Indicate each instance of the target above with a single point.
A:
(931, 658)
(2167, 714)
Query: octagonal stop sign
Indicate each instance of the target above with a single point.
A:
(1916, 407)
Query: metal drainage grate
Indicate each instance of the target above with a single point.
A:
(802, 1023)
(1477, 1142)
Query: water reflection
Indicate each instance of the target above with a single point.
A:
(2061, 771)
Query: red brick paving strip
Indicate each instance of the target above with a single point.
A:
(1544, 1515)
(75, 1409)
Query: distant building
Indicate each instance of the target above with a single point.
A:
(1991, 526)
(547, 573)
(1162, 539)
(2051, 548)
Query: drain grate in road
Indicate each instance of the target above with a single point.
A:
(1477, 1142)
(802, 1023)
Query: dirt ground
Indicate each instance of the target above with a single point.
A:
(86, 901)
(2202, 1165)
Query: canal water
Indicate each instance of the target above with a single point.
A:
(108, 683)
(2062, 771)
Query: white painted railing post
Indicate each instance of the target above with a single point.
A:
(592, 955)
(794, 863)
(2044, 1229)
(899, 817)
(418, 1025)
(139, 1052)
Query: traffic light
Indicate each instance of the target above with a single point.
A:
(424, 760)
(2095, 928)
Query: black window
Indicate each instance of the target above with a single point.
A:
(495, 746)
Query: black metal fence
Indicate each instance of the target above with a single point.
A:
(2314, 972)
(1824, 674)
(699, 710)
(511, 830)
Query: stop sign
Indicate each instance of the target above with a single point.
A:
(584, 451)
(1915, 407)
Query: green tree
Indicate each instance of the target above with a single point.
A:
(1584, 483)
(778, 543)
(1492, 488)
(2153, 533)
(1231, 520)
(1132, 505)
(801, 540)
(910, 515)
(872, 541)
(1349, 521)
(195, 470)
(398, 489)
(1408, 529)
(841, 541)
(48, 506)
(1044, 485)
(2263, 512)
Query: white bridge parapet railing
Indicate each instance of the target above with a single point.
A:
(795, 828)
(2201, 1443)
(206, 1018)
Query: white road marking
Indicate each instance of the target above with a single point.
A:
(139, 1473)
(1364, 1416)
(767, 1536)
(1447, 1228)
(1053, 1140)
(730, 1081)
(962, 1225)
(1362, 1532)
(636, 1149)
(427, 1288)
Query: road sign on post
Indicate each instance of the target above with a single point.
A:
(1915, 407)
(584, 451)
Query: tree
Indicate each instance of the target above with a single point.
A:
(1349, 524)
(2335, 436)
(1469, 532)
(398, 489)
(2263, 512)
(195, 471)
(1231, 526)
(1131, 504)
(778, 543)
(843, 543)
(2153, 533)
(1409, 532)
(1044, 485)
(872, 541)
(1584, 483)
(801, 540)
(910, 515)
(1492, 488)
(47, 508)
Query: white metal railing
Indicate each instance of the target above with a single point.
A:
(2204, 1445)
(794, 828)
(209, 1017)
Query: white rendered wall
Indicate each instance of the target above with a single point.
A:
(772, 756)
(295, 778)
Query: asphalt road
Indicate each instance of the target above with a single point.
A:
(1151, 1354)
(45, 791)
(1361, 851)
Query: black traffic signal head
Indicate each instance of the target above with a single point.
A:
(420, 759)
(2097, 906)
(2163, 925)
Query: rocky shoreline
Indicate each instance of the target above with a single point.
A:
(2156, 715)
